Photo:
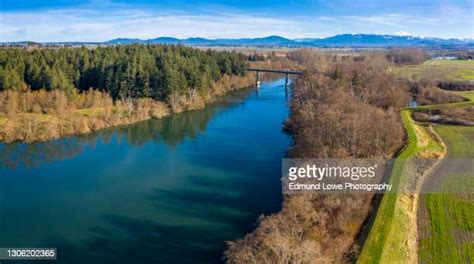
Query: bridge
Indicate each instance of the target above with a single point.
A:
(287, 72)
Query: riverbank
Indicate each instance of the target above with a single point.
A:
(41, 116)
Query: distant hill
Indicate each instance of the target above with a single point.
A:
(266, 41)
(343, 40)
(373, 40)
(163, 40)
(199, 41)
(124, 41)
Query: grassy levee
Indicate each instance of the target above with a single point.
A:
(391, 237)
(388, 241)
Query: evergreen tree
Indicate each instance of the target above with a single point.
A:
(154, 71)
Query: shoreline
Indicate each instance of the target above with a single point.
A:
(40, 127)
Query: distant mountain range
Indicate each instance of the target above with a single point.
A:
(344, 40)
(266, 41)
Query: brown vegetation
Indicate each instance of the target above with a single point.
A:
(428, 93)
(342, 111)
(456, 86)
(342, 107)
(447, 115)
(308, 229)
(43, 115)
(407, 56)
(277, 64)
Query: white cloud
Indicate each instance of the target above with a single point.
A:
(106, 21)
(89, 25)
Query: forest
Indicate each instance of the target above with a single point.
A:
(49, 93)
(124, 71)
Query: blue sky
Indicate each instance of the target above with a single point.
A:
(95, 20)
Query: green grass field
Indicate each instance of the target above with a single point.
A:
(450, 217)
(449, 223)
(453, 70)
(468, 94)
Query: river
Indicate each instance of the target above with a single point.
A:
(171, 190)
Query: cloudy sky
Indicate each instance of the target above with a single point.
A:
(95, 20)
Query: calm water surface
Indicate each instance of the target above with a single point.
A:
(170, 190)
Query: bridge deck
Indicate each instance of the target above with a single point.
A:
(274, 71)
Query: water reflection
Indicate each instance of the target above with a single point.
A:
(134, 240)
(171, 130)
(33, 155)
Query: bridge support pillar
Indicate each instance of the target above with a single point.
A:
(287, 79)
(257, 81)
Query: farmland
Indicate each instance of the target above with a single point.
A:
(446, 215)
(434, 227)
(451, 70)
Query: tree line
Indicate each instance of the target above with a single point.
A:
(124, 71)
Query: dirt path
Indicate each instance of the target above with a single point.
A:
(414, 213)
